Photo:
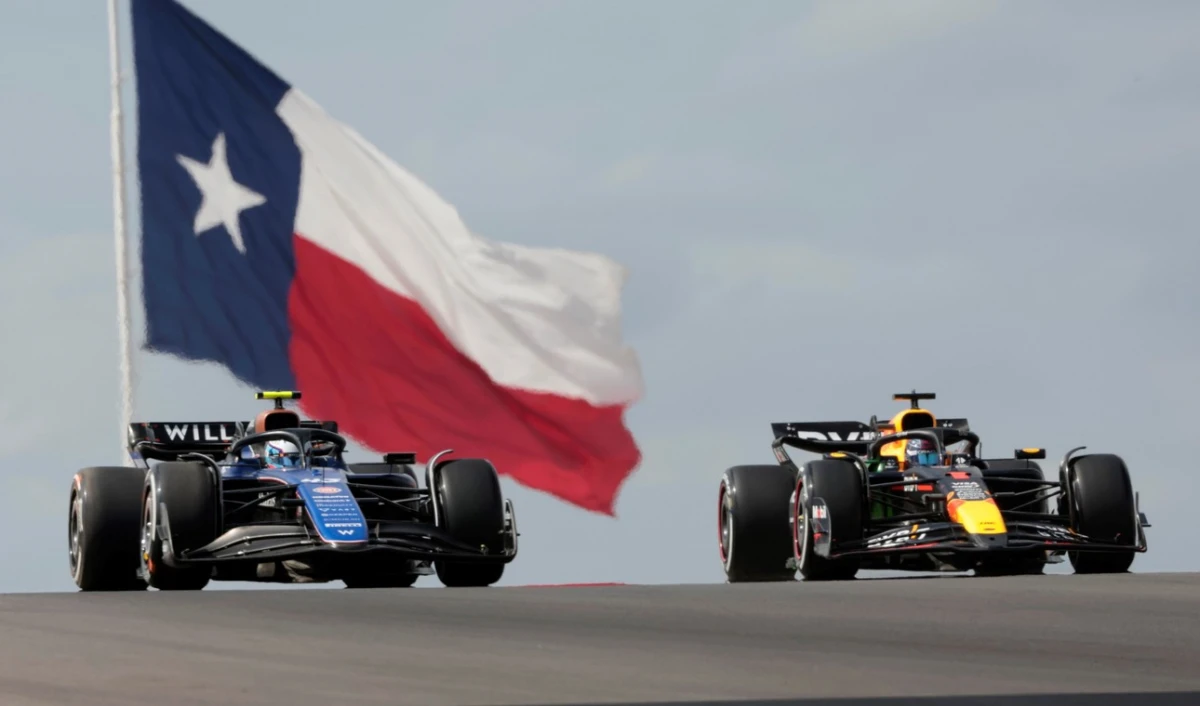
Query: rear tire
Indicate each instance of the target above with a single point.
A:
(191, 495)
(471, 506)
(840, 485)
(103, 528)
(1102, 508)
(752, 523)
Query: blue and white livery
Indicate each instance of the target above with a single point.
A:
(274, 500)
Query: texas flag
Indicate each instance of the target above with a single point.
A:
(282, 245)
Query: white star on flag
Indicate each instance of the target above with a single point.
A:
(223, 198)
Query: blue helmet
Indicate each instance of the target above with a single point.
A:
(921, 452)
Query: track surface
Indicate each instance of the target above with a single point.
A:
(888, 637)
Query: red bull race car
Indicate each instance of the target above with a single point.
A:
(891, 495)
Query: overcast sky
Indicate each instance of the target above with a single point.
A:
(819, 205)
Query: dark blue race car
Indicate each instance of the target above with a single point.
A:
(273, 500)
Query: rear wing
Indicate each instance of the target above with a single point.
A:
(884, 423)
(850, 434)
(167, 441)
(820, 438)
(856, 437)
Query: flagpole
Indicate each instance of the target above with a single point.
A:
(124, 324)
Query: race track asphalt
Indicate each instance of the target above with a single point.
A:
(794, 643)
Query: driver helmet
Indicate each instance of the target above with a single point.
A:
(921, 452)
(281, 454)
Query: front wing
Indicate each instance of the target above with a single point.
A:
(945, 536)
(276, 542)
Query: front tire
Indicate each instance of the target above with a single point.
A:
(840, 485)
(1102, 508)
(190, 494)
(752, 523)
(102, 528)
(471, 507)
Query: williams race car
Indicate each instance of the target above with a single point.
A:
(890, 496)
(274, 501)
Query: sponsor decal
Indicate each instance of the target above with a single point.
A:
(968, 490)
(834, 436)
(197, 432)
(819, 513)
(894, 538)
(335, 510)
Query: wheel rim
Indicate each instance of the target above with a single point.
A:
(726, 533)
(724, 526)
(147, 536)
(75, 532)
(800, 525)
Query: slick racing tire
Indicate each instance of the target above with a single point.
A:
(103, 526)
(190, 494)
(471, 509)
(1102, 507)
(840, 485)
(752, 523)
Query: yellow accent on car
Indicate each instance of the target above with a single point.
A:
(978, 516)
(278, 395)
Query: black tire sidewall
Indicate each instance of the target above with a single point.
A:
(839, 484)
(192, 498)
(756, 499)
(1103, 508)
(471, 502)
(110, 508)
(471, 509)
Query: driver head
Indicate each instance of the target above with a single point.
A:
(921, 452)
(281, 454)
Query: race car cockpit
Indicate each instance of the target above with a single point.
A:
(904, 453)
(280, 453)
